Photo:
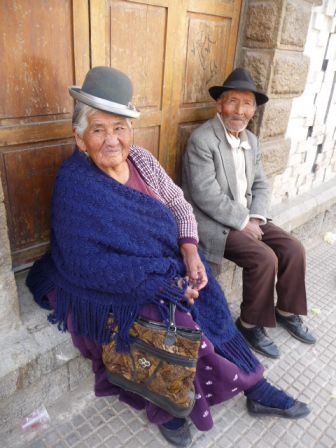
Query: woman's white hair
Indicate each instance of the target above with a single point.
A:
(80, 117)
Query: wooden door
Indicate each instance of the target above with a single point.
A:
(173, 50)
(44, 48)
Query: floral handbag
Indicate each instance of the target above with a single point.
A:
(160, 366)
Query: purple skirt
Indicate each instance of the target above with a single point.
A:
(216, 380)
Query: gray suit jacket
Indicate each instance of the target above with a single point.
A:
(209, 184)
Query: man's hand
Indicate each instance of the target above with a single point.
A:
(194, 266)
(253, 229)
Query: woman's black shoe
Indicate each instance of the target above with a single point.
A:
(298, 410)
(178, 437)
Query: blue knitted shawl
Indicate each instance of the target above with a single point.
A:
(113, 250)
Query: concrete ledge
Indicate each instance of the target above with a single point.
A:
(38, 363)
(294, 213)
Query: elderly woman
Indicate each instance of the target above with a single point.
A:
(123, 239)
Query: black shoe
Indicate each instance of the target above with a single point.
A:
(298, 409)
(259, 340)
(294, 325)
(178, 437)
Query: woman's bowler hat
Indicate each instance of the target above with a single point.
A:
(107, 89)
(239, 79)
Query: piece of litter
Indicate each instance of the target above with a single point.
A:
(330, 237)
(36, 419)
(62, 357)
(315, 310)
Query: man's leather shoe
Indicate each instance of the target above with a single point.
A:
(259, 340)
(294, 325)
(178, 437)
(298, 409)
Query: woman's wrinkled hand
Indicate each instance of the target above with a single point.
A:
(191, 295)
(194, 266)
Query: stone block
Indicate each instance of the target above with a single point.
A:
(331, 50)
(275, 156)
(262, 23)
(9, 310)
(323, 37)
(296, 129)
(330, 8)
(333, 26)
(226, 274)
(321, 21)
(295, 23)
(79, 370)
(289, 73)
(237, 282)
(296, 159)
(46, 391)
(5, 257)
(275, 118)
(329, 174)
(258, 63)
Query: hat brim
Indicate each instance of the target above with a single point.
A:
(216, 91)
(101, 104)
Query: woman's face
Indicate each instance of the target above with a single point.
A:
(106, 140)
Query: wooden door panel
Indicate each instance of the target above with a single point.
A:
(138, 48)
(206, 56)
(29, 174)
(149, 138)
(34, 84)
(184, 131)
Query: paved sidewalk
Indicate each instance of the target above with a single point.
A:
(79, 419)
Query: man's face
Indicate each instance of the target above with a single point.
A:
(236, 108)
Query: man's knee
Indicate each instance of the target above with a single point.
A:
(266, 260)
(295, 249)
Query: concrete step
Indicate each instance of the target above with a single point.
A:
(38, 363)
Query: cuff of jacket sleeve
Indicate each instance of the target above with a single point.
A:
(245, 222)
(262, 218)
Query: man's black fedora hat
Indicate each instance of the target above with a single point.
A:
(239, 79)
(106, 89)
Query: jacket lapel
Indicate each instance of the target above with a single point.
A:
(227, 158)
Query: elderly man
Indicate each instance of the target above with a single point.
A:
(224, 180)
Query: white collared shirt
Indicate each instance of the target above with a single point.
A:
(238, 147)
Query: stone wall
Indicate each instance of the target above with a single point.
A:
(312, 125)
(272, 40)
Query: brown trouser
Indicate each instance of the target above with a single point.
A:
(278, 256)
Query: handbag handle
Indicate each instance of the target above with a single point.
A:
(171, 332)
